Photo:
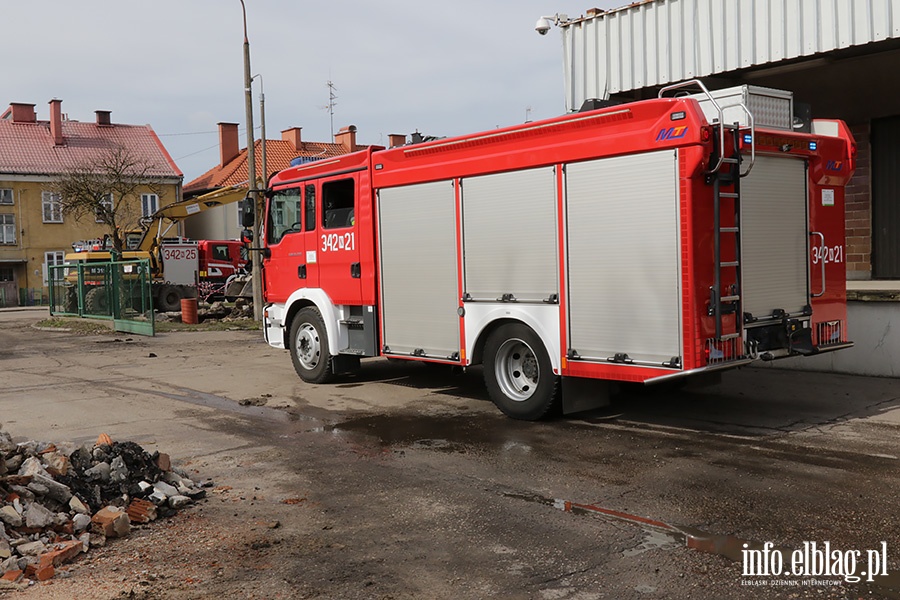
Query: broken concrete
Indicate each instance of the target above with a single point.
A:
(56, 504)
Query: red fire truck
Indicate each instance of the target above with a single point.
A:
(641, 242)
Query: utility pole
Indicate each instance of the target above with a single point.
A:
(262, 128)
(251, 178)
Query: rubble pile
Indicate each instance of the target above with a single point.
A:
(242, 309)
(57, 502)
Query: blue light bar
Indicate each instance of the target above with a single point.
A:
(813, 145)
(748, 139)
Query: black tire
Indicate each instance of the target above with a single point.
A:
(518, 373)
(71, 303)
(96, 301)
(169, 299)
(309, 347)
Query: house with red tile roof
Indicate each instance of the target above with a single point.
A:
(223, 222)
(34, 231)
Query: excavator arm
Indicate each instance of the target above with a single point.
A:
(156, 226)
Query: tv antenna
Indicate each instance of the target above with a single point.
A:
(331, 103)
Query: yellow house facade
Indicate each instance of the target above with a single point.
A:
(34, 230)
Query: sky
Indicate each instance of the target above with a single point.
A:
(397, 66)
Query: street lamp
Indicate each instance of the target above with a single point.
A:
(251, 177)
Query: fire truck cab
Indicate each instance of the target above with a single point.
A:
(641, 242)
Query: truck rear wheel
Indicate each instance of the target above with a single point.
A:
(309, 347)
(518, 373)
(169, 299)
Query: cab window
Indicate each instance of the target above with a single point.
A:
(285, 210)
(337, 204)
(220, 252)
(310, 207)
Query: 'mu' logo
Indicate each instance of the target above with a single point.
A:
(672, 133)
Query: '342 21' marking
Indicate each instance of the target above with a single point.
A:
(333, 242)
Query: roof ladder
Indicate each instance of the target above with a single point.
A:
(723, 303)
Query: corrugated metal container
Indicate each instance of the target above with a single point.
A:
(772, 109)
(656, 42)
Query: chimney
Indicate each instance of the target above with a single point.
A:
(103, 117)
(292, 135)
(56, 122)
(22, 113)
(346, 137)
(229, 147)
(396, 139)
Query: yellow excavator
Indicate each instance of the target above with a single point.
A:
(175, 263)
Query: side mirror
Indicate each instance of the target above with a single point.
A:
(247, 236)
(248, 212)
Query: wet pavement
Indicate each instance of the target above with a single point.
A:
(414, 485)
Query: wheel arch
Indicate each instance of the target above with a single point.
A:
(483, 319)
(319, 300)
(477, 351)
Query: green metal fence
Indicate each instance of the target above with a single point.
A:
(116, 290)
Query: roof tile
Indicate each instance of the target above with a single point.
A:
(279, 154)
(28, 149)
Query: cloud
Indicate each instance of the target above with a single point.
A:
(397, 65)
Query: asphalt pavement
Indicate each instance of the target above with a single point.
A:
(405, 482)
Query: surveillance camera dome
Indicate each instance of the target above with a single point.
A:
(542, 26)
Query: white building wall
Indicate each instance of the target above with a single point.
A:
(656, 42)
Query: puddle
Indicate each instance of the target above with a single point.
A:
(199, 398)
(441, 433)
(664, 535)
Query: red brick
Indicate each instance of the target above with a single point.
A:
(164, 462)
(141, 511)
(50, 448)
(65, 552)
(44, 573)
(12, 576)
(109, 522)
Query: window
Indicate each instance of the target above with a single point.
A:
(52, 259)
(133, 239)
(310, 207)
(51, 207)
(337, 204)
(6, 274)
(105, 208)
(6, 196)
(284, 214)
(220, 252)
(7, 229)
(149, 204)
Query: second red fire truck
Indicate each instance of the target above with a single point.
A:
(642, 242)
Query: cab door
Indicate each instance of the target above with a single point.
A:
(290, 231)
(338, 240)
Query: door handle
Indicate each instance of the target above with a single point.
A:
(301, 272)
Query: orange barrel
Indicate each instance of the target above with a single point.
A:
(189, 311)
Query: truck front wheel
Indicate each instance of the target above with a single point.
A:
(96, 301)
(309, 347)
(518, 373)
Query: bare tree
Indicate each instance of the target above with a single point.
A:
(108, 190)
